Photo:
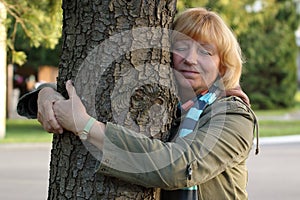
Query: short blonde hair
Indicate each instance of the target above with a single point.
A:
(206, 26)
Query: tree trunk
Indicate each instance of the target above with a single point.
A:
(121, 71)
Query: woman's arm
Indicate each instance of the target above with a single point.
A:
(216, 146)
(222, 140)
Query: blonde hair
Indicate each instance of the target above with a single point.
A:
(206, 26)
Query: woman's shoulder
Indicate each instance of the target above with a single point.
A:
(233, 105)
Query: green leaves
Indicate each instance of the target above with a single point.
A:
(38, 21)
(270, 48)
(19, 57)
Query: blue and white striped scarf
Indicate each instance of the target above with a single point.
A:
(187, 126)
(199, 104)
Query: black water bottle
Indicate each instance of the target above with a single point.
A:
(190, 193)
(181, 194)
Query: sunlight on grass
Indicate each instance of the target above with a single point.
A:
(270, 128)
(20, 130)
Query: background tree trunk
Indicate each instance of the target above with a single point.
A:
(144, 73)
(3, 66)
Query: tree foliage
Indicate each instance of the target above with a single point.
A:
(37, 21)
(270, 49)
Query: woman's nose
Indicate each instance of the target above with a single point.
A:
(191, 57)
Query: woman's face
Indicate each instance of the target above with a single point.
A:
(196, 64)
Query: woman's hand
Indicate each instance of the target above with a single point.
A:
(46, 98)
(71, 113)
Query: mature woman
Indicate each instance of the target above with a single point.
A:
(211, 139)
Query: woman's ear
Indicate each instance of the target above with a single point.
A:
(222, 70)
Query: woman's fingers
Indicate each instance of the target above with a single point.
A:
(70, 89)
(46, 99)
(47, 118)
(71, 113)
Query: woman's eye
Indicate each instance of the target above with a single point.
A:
(180, 48)
(204, 52)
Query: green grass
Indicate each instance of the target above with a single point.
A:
(24, 130)
(269, 128)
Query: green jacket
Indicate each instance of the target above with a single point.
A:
(215, 154)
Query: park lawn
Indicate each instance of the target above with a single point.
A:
(30, 131)
(270, 128)
(25, 130)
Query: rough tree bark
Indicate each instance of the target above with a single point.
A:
(144, 73)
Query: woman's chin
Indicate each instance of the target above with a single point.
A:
(186, 88)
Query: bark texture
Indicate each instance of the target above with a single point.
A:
(134, 87)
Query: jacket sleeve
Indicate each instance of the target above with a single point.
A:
(223, 139)
(27, 104)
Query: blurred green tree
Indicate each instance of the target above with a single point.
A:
(36, 21)
(269, 47)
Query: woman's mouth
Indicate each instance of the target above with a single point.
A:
(189, 73)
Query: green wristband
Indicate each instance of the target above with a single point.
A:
(84, 134)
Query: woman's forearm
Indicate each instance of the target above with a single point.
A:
(149, 162)
(96, 135)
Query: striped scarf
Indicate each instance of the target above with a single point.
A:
(196, 107)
